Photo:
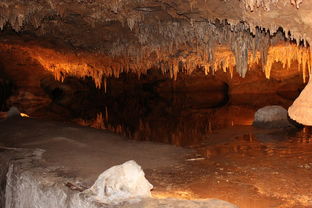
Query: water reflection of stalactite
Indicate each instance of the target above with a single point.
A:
(304, 136)
(102, 123)
(196, 133)
(183, 134)
(187, 128)
(253, 145)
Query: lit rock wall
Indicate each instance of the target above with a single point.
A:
(103, 39)
(64, 63)
(293, 16)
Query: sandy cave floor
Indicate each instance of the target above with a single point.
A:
(249, 167)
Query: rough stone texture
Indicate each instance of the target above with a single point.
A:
(29, 184)
(102, 39)
(121, 183)
(4, 160)
(271, 117)
(301, 109)
(25, 76)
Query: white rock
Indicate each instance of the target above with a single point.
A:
(121, 183)
(28, 185)
(301, 109)
(271, 116)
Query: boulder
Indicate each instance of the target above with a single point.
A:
(13, 112)
(121, 183)
(273, 116)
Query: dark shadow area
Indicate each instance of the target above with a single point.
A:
(6, 89)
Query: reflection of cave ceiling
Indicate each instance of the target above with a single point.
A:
(101, 38)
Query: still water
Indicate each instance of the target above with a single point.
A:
(179, 119)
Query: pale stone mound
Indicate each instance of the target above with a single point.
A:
(13, 111)
(301, 109)
(121, 183)
(272, 116)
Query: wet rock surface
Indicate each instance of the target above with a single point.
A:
(273, 116)
(245, 166)
(28, 179)
(248, 167)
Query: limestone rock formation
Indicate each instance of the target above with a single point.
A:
(103, 39)
(26, 183)
(271, 117)
(121, 183)
(301, 109)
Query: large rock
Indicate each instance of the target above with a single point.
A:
(13, 112)
(121, 183)
(301, 109)
(273, 116)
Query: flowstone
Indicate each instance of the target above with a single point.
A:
(121, 183)
(301, 109)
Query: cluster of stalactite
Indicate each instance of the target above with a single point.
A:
(172, 46)
(210, 48)
(101, 122)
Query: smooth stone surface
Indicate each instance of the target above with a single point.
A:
(301, 109)
(272, 116)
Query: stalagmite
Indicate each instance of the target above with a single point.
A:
(301, 109)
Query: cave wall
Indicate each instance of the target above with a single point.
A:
(197, 45)
(24, 75)
(38, 91)
(103, 39)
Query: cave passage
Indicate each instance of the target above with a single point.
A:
(211, 115)
(174, 85)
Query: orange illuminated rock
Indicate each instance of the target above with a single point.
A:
(100, 66)
(301, 109)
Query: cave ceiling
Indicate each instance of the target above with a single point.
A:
(101, 38)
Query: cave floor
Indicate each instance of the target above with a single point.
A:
(252, 168)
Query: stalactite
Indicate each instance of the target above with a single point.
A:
(240, 50)
(286, 54)
(207, 45)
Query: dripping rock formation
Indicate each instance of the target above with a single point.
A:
(101, 39)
